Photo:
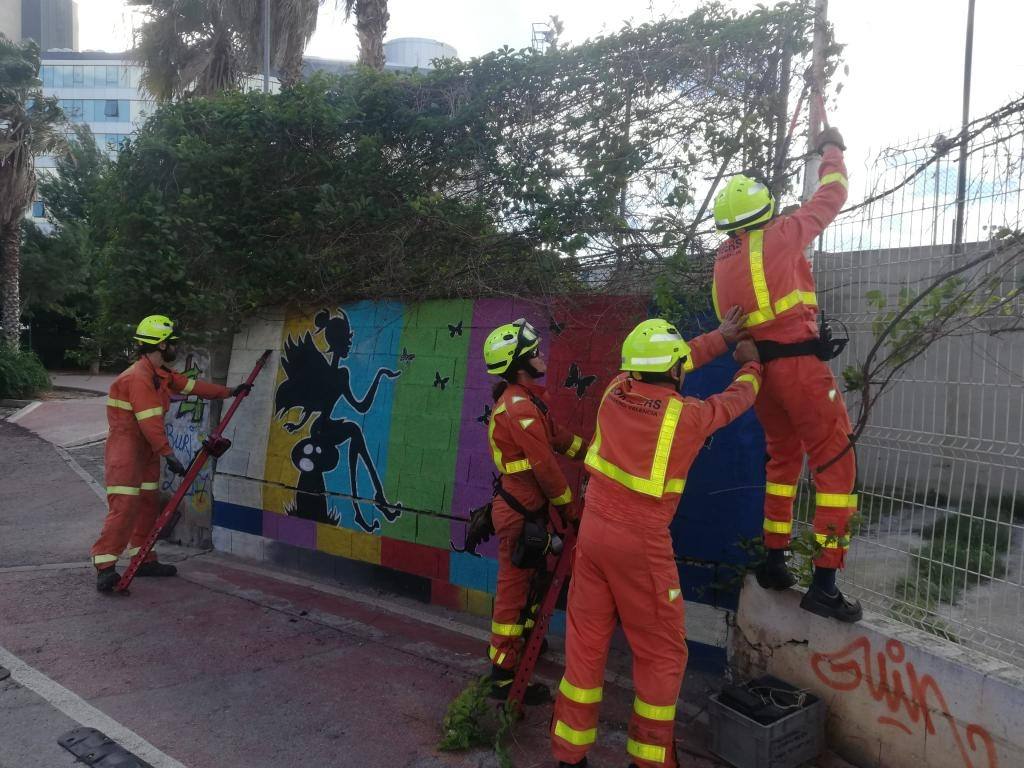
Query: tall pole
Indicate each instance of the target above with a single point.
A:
(815, 107)
(266, 46)
(961, 176)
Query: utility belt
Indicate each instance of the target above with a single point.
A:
(825, 347)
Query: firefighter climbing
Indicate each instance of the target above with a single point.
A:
(762, 267)
(138, 399)
(646, 438)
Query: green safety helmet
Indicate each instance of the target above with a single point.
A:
(654, 346)
(510, 342)
(745, 202)
(154, 330)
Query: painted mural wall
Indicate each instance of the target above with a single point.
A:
(367, 437)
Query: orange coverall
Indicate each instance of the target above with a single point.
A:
(524, 439)
(647, 437)
(138, 400)
(801, 409)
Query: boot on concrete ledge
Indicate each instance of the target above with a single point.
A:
(774, 576)
(832, 605)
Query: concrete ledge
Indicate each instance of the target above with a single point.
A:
(897, 696)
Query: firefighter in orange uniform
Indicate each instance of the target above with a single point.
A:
(138, 400)
(647, 437)
(762, 268)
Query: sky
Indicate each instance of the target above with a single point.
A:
(905, 57)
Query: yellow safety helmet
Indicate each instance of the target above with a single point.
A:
(745, 202)
(154, 330)
(654, 346)
(508, 343)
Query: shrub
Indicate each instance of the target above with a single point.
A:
(21, 374)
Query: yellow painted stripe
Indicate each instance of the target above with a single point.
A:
(574, 737)
(149, 486)
(506, 630)
(830, 178)
(124, 406)
(122, 490)
(781, 489)
(651, 752)
(752, 379)
(496, 656)
(831, 541)
(574, 446)
(839, 500)
(101, 559)
(580, 695)
(777, 526)
(652, 711)
(149, 413)
(563, 498)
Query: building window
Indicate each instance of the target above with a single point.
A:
(66, 76)
(38, 209)
(78, 72)
(110, 108)
(90, 77)
(112, 75)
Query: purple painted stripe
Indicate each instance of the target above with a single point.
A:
(295, 530)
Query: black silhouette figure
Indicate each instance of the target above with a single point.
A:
(578, 380)
(406, 356)
(439, 382)
(315, 385)
(455, 330)
(485, 418)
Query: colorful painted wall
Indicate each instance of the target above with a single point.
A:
(367, 440)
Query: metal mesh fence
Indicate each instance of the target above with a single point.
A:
(940, 534)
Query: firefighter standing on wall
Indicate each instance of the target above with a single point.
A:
(647, 437)
(762, 268)
(138, 400)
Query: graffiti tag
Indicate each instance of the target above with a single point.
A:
(908, 698)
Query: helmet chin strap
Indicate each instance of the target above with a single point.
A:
(532, 372)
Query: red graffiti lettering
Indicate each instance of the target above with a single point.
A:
(844, 671)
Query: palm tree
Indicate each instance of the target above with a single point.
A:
(205, 47)
(29, 126)
(371, 25)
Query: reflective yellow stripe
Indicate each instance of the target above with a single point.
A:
(795, 298)
(496, 656)
(714, 299)
(829, 178)
(100, 559)
(495, 451)
(517, 466)
(529, 624)
(777, 526)
(506, 630)
(563, 498)
(839, 500)
(781, 489)
(122, 490)
(149, 486)
(752, 379)
(654, 485)
(574, 446)
(652, 712)
(650, 752)
(758, 280)
(188, 387)
(580, 695)
(142, 415)
(689, 365)
(574, 737)
(831, 541)
(131, 552)
(525, 423)
(124, 406)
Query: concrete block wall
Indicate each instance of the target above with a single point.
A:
(345, 469)
(896, 696)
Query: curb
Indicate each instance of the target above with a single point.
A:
(79, 390)
(10, 403)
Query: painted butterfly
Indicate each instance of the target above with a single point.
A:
(440, 382)
(578, 380)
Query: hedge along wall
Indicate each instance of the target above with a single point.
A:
(329, 468)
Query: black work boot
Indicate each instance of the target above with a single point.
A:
(581, 764)
(156, 568)
(501, 684)
(773, 573)
(106, 579)
(831, 605)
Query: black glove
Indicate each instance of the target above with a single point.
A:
(175, 466)
(243, 387)
(830, 136)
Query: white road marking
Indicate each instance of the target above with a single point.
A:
(98, 489)
(15, 417)
(81, 711)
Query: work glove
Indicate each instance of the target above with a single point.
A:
(175, 466)
(567, 514)
(830, 136)
(243, 387)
